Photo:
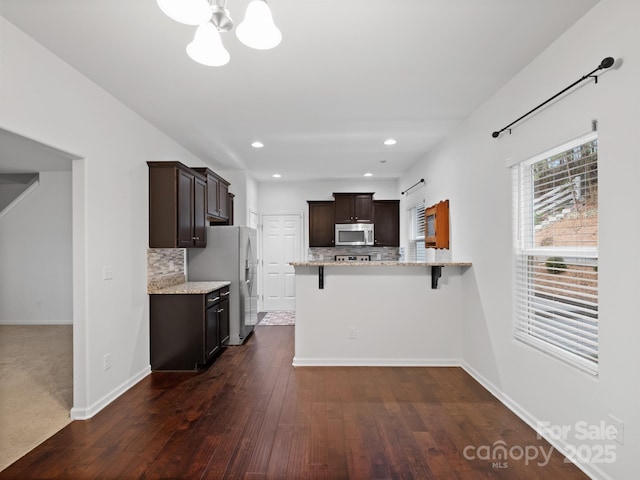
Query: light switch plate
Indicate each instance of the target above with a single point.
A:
(107, 272)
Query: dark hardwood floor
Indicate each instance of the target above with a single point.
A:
(251, 415)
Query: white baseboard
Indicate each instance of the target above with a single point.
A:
(589, 469)
(85, 413)
(375, 362)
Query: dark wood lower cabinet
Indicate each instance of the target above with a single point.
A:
(187, 330)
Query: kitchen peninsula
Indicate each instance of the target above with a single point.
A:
(378, 313)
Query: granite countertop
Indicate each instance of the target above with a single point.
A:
(383, 263)
(189, 288)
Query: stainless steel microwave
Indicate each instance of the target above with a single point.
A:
(354, 234)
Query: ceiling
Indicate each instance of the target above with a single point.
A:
(347, 75)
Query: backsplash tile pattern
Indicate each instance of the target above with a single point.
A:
(165, 267)
(328, 253)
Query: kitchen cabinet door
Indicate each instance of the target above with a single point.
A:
(176, 331)
(363, 208)
(387, 223)
(186, 183)
(321, 224)
(223, 198)
(199, 215)
(223, 311)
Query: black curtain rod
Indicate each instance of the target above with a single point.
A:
(605, 63)
(417, 183)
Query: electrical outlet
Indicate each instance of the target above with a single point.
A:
(107, 362)
(107, 272)
(38, 303)
(615, 429)
(351, 333)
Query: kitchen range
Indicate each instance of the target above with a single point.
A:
(353, 258)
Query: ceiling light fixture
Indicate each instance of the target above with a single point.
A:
(368, 174)
(390, 141)
(257, 144)
(276, 175)
(257, 30)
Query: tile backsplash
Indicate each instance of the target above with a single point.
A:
(329, 253)
(165, 267)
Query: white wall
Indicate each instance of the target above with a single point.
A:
(469, 168)
(35, 255)
(110, 206)
(243, 186)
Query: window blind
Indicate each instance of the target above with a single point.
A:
(556, 252)
(416, 241)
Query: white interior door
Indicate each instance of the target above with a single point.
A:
(281, 244)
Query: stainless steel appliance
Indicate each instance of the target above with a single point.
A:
(348, 234)
(230, 255)
(353, 258)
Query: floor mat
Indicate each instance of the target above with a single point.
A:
(279, 318)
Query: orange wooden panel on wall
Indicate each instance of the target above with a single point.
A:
(436, 225)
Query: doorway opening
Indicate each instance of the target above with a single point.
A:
(38, 293)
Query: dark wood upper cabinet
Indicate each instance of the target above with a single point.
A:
(321, 224)
(217, 196)
(353, 207)
(177, 200)
(386, 215)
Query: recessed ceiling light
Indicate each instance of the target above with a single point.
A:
(390, 141)
(257, 144)
(276, 175)
(368, 174)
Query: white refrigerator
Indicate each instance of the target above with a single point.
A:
(230, 254)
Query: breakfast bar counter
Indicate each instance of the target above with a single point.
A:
(378, 263)
(378, 313)
(436, 267)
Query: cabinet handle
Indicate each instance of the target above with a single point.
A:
(196, 238)
(225, 294)
(356, 218)
(212, 300)
(220, 311)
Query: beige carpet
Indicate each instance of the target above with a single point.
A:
(36, 386)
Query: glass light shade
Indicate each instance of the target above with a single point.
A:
(207, 47)
(257, 30)
(190, 12)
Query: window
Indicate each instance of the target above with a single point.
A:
(416, 234)
(555, 198)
